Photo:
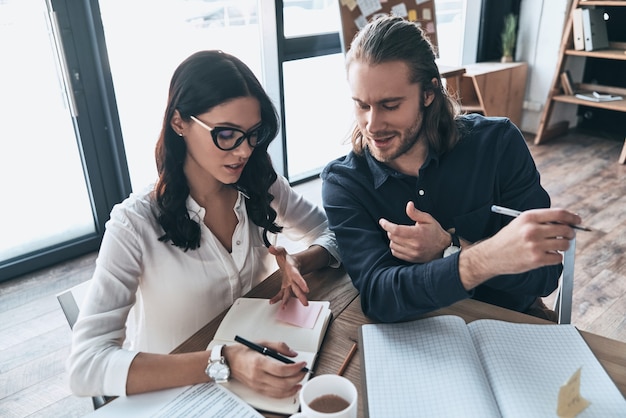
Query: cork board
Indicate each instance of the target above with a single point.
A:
(356, 13)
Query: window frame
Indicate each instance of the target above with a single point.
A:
(100, 143)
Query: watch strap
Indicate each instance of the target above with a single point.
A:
(216, 353)
(456, 242)
(454, 247)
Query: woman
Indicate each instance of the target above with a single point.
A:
(175, 256)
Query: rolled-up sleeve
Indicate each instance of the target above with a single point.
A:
(98, 365)
(302, 220)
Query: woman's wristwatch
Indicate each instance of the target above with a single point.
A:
(217, 369)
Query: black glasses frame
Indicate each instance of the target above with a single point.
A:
(215, 131)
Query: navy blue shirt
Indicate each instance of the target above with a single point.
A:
(491, 164)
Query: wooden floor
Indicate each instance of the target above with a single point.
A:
(580, 172)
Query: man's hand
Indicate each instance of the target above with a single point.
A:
(293, 283)
(530, 241)
(417, 243)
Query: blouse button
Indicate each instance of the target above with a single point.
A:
(238, 242)
(421, 192)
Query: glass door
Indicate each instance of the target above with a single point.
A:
(46, 200)
(62, 164)
(318, 108)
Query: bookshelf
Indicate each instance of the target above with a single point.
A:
(616, 52)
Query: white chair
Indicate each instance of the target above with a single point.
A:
(70, 301)
(563, 301)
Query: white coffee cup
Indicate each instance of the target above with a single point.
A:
(328, 385)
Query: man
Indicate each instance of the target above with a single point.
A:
(419, 184)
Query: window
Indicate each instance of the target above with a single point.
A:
(166, 33)
(457, 30)
(310, 17)
(318, 113)
(54, 151)
(39, 134)
(312, 72)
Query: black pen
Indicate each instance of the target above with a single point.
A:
(515, 213)
(267, 352)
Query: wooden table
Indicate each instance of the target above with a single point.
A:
(452, 77)
(335, 286)
(492, 89)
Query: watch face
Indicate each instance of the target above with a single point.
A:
(219, 372)
(450, 250)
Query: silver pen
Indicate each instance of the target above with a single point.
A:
(515, 213)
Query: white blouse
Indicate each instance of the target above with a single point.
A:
(150, 296)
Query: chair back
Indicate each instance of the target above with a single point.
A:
(70, 301)
(563, 301)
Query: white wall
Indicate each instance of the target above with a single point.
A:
(541, 24)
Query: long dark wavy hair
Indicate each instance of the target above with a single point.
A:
(392, 38)
(204, 80)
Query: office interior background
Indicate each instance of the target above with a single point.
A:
(84, 85)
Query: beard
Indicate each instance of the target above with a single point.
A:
(406, 141)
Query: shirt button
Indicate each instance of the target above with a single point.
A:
(420, 192)
(238, 242)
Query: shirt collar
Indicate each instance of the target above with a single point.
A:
(381, 171)
(197, 212)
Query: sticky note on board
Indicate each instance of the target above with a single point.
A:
(350, 4)
(369, 7)
(399, 10)
(430, 27)
(571, 402)
(412, 15)
(427, 14)
(295, 313)
(360, 22)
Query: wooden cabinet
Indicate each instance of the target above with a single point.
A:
(601, 58)
(493, 89)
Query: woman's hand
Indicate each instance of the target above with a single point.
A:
(293, 283)
(264, 374)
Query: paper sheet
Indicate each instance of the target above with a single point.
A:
(203, 400)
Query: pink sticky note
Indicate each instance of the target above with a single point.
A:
(297, 314)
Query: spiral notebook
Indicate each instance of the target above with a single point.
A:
(443, 367)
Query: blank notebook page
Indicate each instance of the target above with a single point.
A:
(413, 368)
(527, 364)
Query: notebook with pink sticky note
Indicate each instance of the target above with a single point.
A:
(295, 313)
(301, 327)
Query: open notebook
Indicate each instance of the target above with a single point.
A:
(442, 367)
(255, 319)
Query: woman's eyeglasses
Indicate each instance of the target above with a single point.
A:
(227, 138)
